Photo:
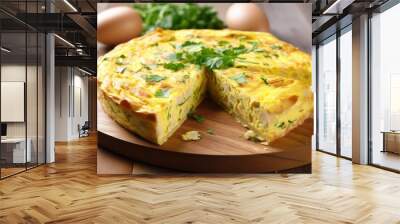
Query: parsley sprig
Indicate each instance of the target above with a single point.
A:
(178, 16)
(265, 80)
(197, 117)
(162, 93)
(174, 66)
(210, 58)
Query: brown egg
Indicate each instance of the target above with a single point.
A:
(247, 17)
(117, 25)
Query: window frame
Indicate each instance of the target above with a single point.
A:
(334, 37)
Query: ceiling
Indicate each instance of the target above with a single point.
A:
(330, 15)
(74, 22)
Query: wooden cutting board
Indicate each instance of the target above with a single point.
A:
(226, 151)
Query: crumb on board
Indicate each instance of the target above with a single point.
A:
(191, 136)
(249, 135)
(252, 136)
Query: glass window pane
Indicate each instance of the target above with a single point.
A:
(327, 97)
(23, 87)
(31, 97)
(385, 114)
(346, 94)
(13, 85)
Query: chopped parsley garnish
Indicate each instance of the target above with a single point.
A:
(210, 131)
(216, 58)
(215, 62)
(254, 45)
(175, 56)
(267, 55)
(198, 58)
(290, 121)
(154, 78)
(174, 66)
(223, 42)
(197, 117)
(281, 125)
(145, 66)
(265, 80)
(236, 51)
(276, 47)
(220, 62)
(183, 79)
(120, 60)
(242, 37)
(240, 78)
(259, 50)
(162, 93)
(189, 43)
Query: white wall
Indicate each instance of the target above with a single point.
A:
(12, 73)
(61, 103)
(80, 102)
(71, 94)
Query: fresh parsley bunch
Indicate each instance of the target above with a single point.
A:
(177, 16)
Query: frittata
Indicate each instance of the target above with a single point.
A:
(150, 84)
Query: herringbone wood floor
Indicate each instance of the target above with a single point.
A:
(69, 191)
